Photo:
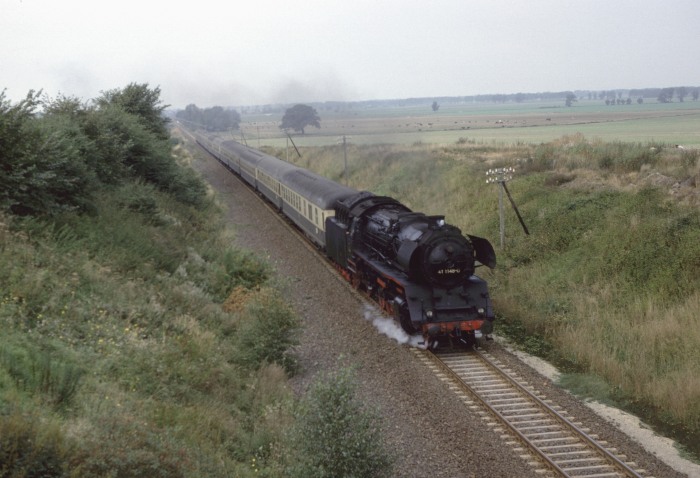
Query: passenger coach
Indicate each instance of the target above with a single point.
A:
(303, 196)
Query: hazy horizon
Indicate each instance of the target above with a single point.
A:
(277, 52)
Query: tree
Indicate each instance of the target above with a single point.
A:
(192, 115)
(215, 118)
(666, 95)
(570, 99)
(139, 100)
(299, 117)
(435, 106)
(43, 167)
(70, 106)
(682, 92)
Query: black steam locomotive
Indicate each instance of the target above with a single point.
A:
(417, 268)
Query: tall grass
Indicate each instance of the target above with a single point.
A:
(42, 373)
(30, 447)
(112, 330)
(647, 339)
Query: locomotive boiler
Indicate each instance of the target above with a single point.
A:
(417, 267)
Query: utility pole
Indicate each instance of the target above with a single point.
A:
(289, 138)
(345, 159)
(500, 176)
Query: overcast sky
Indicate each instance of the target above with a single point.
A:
(241, 52)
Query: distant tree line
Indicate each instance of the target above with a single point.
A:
(669, 94)
(55, 160)
(215, 118)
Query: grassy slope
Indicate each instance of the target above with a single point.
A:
(137, 341)
(116, 357)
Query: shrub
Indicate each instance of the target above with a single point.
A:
(334, 436)
(42, 165)
(143, 103)
(123, 447)
(125, 150)
(40, 373)
(188, 188)
(29, 449)
(267, 331)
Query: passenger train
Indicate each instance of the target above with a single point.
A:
(418, 268)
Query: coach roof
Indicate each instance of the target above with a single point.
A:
(319, 190)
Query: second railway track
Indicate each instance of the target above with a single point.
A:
(559, 446)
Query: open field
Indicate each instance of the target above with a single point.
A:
(498, 124)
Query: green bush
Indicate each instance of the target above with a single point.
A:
(141, 102)
(54, 163)
(188, 188)
(267, 331)
(334, 437)
(124, 149)
(43, 169)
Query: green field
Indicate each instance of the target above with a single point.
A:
(498, 124)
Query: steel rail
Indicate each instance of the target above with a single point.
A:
(603, 453)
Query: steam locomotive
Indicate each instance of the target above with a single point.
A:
(418, 268)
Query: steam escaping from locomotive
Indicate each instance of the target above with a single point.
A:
(391, 329)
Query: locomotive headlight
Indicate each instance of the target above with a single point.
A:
(480, 310)
(429, 314)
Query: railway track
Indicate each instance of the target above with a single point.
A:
(558, 445)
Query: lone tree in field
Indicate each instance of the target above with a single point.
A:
(299, 117)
